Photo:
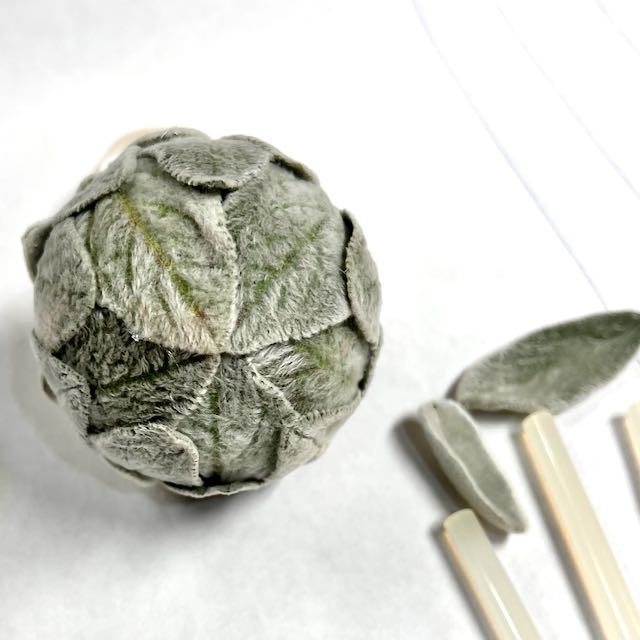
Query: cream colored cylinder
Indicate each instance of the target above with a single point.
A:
(120, 145)
(632, 424)
(487, 579)
(597, 568)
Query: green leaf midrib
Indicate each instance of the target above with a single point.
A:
(151, 377)
(181, 285)
(273, 273)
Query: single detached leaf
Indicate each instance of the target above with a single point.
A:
(553, 368)
(151, 450)
(166, 264)
(456, 444)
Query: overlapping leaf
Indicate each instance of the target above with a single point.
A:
(151, 450)
(290, 242)
(64, 287)
(166, 395)
(104, 352)
(166, 264)
(310, 437)
(363, 285)
(66, 384)
(90, 191)
(322, 372)
(242, 416)
(227, 163)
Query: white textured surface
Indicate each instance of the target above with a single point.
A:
(492, 154)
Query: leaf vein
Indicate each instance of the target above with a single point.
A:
(181, 285)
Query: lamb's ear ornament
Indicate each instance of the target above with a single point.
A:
(205, 314)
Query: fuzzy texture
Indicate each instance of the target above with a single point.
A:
(203, 312)
(456, 445)
(553, 368)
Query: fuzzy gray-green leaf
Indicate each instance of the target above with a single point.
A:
(456, 444)
(298, 168)
(553, 368)
(208, 490)
(91, 189)
(322, 372)
(68, 387)
(105, 353)
(166, 395)
(64, 286)
(363, 285)
(165, 264)
(162, 135)
(311, 436)
(291, 244)
(151, 450)
(226, 163)
(239, 423)
(138, 478)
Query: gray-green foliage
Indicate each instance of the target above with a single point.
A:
(203, 312)
(552, 368)
(456, 445)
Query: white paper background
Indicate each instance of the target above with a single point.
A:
(492, 154)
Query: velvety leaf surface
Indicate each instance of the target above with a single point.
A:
(138, 478)
(373, 360)
(456, 444)
(70, 389)
(165, 395)
(151, 450)
(238, 426)
(363, 285)
(298, 168)
(323, 372)
(166, 264)
(553, 368)
(227, 163)
(64, 287)
(297, 446)
(204, 311)
(291, 244)
(311, 437)
(162, 135)
(206, 491)
(104, 352)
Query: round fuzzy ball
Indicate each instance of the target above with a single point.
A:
(203, 312)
